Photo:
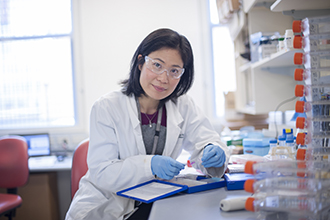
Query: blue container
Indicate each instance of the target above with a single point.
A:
(254, 146)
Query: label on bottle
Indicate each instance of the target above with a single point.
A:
(272, 201)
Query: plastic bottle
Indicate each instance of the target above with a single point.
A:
(314, 109)
(313, 140)
(272, 144)
(288, 39)
(300, 203)
(268, 168)
(289, 142)
(313, 60)
(317, 127)
(281, 140)
(313, 25)
(312, 42)
(313, 93)
(313, 76)
(272, 150)
(286, 183)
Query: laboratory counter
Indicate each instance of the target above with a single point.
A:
(197, 206)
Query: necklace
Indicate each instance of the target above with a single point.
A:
(150, 125)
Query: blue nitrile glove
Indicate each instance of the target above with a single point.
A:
(213, 156)
(165, 167)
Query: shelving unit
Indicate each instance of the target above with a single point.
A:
(286, 5)
(281, 58)
(249, 4)
(262, 85)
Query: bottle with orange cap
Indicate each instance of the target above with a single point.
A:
(313, 140)
(313, 25)
(273, 168)
(314, 109)
(302, 128)
(290, 204)
(318, 147)
(320, 127)
(313, 60)
(312, 76)
(313, 92)
(286, 183)
(312, 42)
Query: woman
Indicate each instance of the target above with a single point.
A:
(137, 133)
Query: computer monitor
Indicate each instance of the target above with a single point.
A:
(38, 144)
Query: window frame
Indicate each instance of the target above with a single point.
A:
(78, 92)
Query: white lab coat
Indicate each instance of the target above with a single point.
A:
(117, 158)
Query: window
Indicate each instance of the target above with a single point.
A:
(36, 71)
(223, 59)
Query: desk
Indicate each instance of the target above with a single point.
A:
(49, 163)
(47, 195)
(197, 206)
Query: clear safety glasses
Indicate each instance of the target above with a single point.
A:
(158, 68)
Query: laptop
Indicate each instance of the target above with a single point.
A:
(38, 144)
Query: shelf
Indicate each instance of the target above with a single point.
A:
(287, 5)
(249, 4)
(282, 58)
(245, 67)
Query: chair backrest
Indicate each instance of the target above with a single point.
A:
(14, 168)
(79, 165)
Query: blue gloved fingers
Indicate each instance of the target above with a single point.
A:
(177, 164)
(175, 167)
(213, 156)
(164, 175)
(165, 167)
(215, 162)
(208, 152)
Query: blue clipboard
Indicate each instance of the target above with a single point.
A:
(152, 190)
(211, 185)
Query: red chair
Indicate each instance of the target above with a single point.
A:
(14, 173)
(79, 165)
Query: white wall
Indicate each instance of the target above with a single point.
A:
(108, 32)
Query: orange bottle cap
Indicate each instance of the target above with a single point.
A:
(300, 106)
(249, 167)
(297, 42)
(300, 139)
(300, 122)
(249, 204)
(296, 26)
(301, 164)
(298, 58)
(299, 90)
(248, 185)
(301, 154)
(299, 74)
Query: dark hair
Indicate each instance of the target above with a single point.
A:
(161, 38)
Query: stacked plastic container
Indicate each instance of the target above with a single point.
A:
(289, 189)
(300, 189)
(314, 40)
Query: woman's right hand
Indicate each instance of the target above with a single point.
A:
(165, 167)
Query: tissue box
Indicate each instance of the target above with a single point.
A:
(258, 147)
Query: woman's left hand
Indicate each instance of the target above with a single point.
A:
(213, 156)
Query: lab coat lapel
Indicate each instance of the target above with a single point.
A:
(173, 130)
(134, 118)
